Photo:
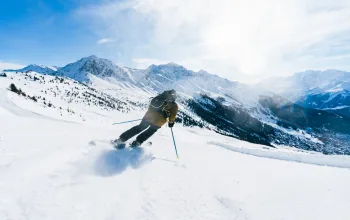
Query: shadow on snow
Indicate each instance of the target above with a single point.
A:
(114, 162)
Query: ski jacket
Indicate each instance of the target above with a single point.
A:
(159, 118)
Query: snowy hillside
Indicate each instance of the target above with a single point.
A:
(58, 97)
(209, 101)
(55, 163)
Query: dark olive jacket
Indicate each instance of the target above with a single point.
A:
(158, 118)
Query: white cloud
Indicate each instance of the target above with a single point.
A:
(104, 41)
(230, 38)
(8, 65)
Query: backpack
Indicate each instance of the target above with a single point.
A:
(158, 103)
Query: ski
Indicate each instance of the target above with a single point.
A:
(122, 146)
(119, 146)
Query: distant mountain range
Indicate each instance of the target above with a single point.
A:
(325, 90)
(37, 68)
(313, 116)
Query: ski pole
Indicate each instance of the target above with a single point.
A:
(172, 133)
(126, 122)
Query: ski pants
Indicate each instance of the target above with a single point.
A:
(151, 129)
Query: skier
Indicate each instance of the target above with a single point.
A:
(161, 108)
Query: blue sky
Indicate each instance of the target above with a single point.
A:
(245, 40)
(45, 32)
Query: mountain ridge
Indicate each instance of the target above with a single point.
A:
(36, 68)
(324, 90)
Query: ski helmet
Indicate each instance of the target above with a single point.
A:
(170, 95)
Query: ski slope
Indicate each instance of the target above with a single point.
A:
(53, 169)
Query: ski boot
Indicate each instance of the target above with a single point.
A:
(135, 144)
(118, 144)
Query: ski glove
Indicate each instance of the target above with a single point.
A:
(171, 124)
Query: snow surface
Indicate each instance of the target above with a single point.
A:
(51, 168)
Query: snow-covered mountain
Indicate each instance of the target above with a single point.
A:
(37, 68)
(192, 84)
(327, 90)
(155, 77)
(92, 65)
(211, 102)
(336, 101)
(308, 82)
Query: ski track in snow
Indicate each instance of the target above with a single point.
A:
(309, 158)
(8, 105)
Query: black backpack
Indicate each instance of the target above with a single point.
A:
(160, 101)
